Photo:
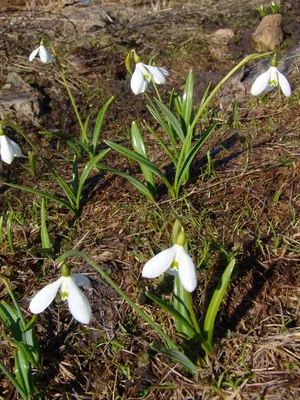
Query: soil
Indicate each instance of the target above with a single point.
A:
(242, 200)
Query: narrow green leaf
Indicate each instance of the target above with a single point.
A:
(32, 345)
(1, 228)
(86, 172)
(85, 131)
(180, 305)
(18, 373)
(23, 370)
(169, 131)
(214, 305)
(41, 193)
(43, 252)
(46, 243)
(72, 142)
(187, 99)
(172, 119)
(9, 232)
(182, 172)
(189, 330)
(164, 145)
(135, 182)
(176, 356)
(99, 122)
(75, 178)
(139, 159)
(13, 381)
(10, 318)
(139, 147)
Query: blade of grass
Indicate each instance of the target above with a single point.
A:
(140, 159)
(135, 182)
(99, 122)
(214, 305)
(44, 194)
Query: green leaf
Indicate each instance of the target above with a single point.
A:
(140, 159)
(176, 356)
(140, 148)
(75, 175)
(43, 252)
(23, 370)
(46, 243)
(144, 190)
(87, 169)
(9, 232)
(182, 172)
(11, 319)
(169, 131)
(72, 142)
(85, 130)
(170, 117)
(189, 330)
(187, 99)
(180, 304)
(31, 344)
(164, 145)
(45, 194)
(99, 122)
(12, 379)
(214, 305)
(1, 228)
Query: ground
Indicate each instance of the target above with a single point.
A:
(243, 200)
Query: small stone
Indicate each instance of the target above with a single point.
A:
(219, 41)
(268, 34)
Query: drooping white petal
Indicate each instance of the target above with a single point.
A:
(158, 76)
(7, 153)
(34, 54)
(45, 56)
(159, 263)
(44, 297)
(186, 270)
(261, 83)
(81, 280)
(284, 84)
(78, 304)
(15, 148)
(138, 83)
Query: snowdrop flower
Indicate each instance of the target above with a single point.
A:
(270, 79)
(174, 261)
(8, 148)
(68, 284)
(42, 52)
(143, 74)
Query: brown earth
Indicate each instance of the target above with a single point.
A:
(246, 203)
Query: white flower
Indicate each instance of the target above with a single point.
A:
(78, 304)
(43, 53)
(9, 149)
(174, 261)
(143, 74)
(270, 79)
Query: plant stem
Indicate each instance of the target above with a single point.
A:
(62, 74)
